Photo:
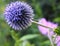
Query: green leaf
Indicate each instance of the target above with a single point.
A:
(57, 19)
(57, 30)
(24, 43)
(30, 36)
(46, 43)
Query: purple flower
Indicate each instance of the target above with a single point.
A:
(44, 30)
(57, 41)
(18, 15)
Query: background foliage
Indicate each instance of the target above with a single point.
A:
(49, 9)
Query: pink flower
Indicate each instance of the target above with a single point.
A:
(58, 44)
(44, 30)
(57, 41)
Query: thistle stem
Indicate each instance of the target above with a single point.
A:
(41, 24)
(50, 38)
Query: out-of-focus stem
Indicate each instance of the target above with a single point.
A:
(41, 25)
(50, 38)
(49, 35)
(54, 38)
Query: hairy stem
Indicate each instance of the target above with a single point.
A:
(50, 38)
(49, 35)
(41, 24)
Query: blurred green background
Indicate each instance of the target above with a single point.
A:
(48, 9)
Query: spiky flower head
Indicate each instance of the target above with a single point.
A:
(18, 15)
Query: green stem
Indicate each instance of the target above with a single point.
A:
(50, 38)
(14, 35)
(41, 25)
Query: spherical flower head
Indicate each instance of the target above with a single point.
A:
(45, 30)
(57, 41)
(18, 15)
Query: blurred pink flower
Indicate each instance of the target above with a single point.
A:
(44, 30)
(57, 41)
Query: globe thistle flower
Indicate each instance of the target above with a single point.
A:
(45, 30)
(18, 15)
